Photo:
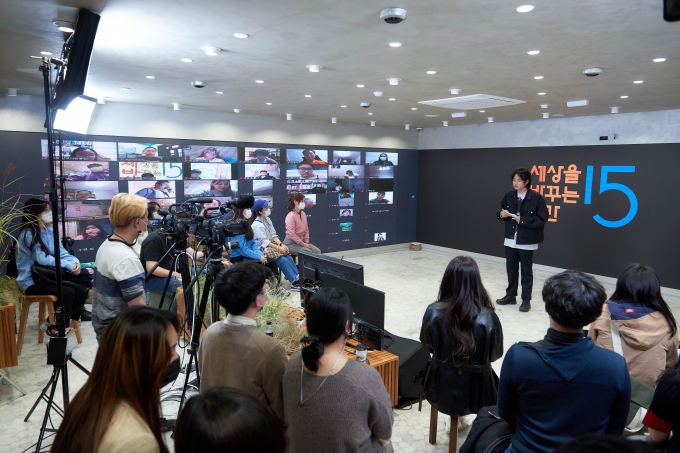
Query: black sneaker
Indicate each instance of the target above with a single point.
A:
(86, 315)
(507, 300)
(295, 286)
(526, 306)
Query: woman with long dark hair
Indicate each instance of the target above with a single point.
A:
(118, 407)
(637, 320)
(248, 249)
(35, 245)
(332, 403)
(464, 335)
(297, 230)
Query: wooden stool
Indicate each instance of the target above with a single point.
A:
(44, 301)
(453, 434)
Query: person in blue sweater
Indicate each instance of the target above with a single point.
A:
(35, 244)
(248, 249)
(564, 386)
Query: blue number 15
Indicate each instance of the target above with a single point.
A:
(605, 186)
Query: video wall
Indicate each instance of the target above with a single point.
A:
(608, 206)
(353, 196)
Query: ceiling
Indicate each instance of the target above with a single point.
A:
(477, 46)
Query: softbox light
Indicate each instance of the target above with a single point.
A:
(76, 117)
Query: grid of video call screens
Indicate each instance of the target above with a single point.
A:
(349, 194)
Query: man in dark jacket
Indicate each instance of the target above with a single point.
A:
(564, 386)
(524, 212)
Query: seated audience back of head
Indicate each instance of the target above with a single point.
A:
(461, 329)
(233, 353)
(648, 333)
(564, 386)
(118, 408)
(332, 403)
(227, 420)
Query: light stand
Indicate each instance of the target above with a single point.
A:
(57, 354)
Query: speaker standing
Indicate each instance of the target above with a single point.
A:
(524, 212)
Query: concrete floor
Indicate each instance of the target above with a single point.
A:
(410, 281)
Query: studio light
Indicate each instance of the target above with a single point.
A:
(76, 117)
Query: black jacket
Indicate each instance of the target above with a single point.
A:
(533, 215)
(461, 389)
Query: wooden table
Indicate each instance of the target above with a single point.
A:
(387, 365)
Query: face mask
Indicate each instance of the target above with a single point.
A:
(247, 213)
(92, 231)
(172, 372)
(96, 169)
(46, 218)
(157, 216)
(141, 231)
(383, 158)
(267, 213)
(301, 206)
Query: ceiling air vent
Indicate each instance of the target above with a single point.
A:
(472, 102)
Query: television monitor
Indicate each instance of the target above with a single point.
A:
(368, 305)
(312, 265)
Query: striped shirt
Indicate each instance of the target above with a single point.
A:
(119, 278)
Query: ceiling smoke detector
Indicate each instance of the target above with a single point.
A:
(592, 72)
(393, 15)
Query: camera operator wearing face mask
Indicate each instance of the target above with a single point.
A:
(297, 230)
(119, 276)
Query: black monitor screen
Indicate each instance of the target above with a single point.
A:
(368, 304)
(312, 265)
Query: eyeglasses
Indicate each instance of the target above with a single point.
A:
(306, 169)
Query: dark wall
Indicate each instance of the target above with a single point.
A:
(24, 151)
(460, 192)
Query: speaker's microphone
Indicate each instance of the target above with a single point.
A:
(245, 202)
(200, 200)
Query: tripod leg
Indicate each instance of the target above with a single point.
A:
(64, 385)
(186, 380)
(42, 394)
(55, 376)
(80, 367)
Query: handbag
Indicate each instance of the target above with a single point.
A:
(271, 254)
(49, 274)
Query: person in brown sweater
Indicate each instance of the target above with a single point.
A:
(233, 353)
(331, 403)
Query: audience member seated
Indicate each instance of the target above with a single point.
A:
(119, 277)
(227, 420)
(297, 230)
(233, 353)
(464, 335)
(599, 444)
(248, 250)
(35, 245)
(117, 410)
(334, 404)
(564, 386)
(647, 331)
(267, 239)
(154, 248)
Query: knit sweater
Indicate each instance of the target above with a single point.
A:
(241, 357)
(351, 412)
(296, 227)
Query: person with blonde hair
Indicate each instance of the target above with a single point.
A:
(119, 276)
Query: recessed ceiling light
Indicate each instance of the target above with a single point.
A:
(343, 106)
(259, 81)
(370, 113)
(360, 86)
(393, 80)
(431, 72)
(432, 116)
(391, 99)
(268, 103)
(50, 53)
(308, 95)
(538, 77)
(395, 44)
(219, 92)
(579, 103)
(534, 52)
(67, 27)
(656, 60)
(624, 97)
(237, 110)
(482, 111)
(638, 81)
(545, 106)
(125, 88)
(314, 67)
(211, 51)
(524, 8)
(187, 60)
(241, 35)
(541, 94)
(150, 77)
(414, 108)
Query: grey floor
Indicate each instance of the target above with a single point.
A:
(410, 281)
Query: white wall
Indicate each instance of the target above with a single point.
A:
(632, 128)
(27, 114)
